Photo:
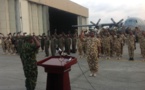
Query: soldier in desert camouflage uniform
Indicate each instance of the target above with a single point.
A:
(102, 45)
(99, 45)
(143, 44)
(123, 42)
(139, 37)
(79, 46)
(8, 45)
(92, 54)
(84, 45)
(140, 40)
(3, 43)
(117, 46)
(112, 49)
(107, 42)
(131, 45)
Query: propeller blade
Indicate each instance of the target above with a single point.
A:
(113, 21)
(120, 21)
(98, 22)
(92, 23)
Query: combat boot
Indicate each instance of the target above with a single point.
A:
(131, 59)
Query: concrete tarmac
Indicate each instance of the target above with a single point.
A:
(113, 74)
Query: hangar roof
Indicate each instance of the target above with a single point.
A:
(65, 5)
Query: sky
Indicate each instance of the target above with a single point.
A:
(116, 9)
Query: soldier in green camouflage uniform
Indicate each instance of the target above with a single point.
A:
(28, 57)
(42, 42)
(74, 42)
(19, 43)
(67, 44)
(61, 42)
(46, 46)
(13, 40)
(131, 45)
(92, 54)
(53, 45)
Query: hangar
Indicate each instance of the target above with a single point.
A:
(41, 16)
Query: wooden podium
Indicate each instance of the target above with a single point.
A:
(57, 69)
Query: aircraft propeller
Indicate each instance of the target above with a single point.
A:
(118, 24)
(97, 24)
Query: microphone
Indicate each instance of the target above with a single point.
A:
(59, 51)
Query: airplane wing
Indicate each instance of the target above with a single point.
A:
(107, 24)
(112, 24)
(82, 25)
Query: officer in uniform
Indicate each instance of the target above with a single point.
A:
(27, 52)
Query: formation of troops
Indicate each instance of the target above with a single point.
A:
(107, 43)
(11, 43)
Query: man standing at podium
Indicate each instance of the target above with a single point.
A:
(92, 54)
(28, 52)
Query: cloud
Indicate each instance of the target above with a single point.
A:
(117, 9)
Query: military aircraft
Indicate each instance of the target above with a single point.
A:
(97, 25)
(133, 22)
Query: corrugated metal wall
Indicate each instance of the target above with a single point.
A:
(4, 17)
(18, 16)
(38, 18)
(12, 15)
(45, 16)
